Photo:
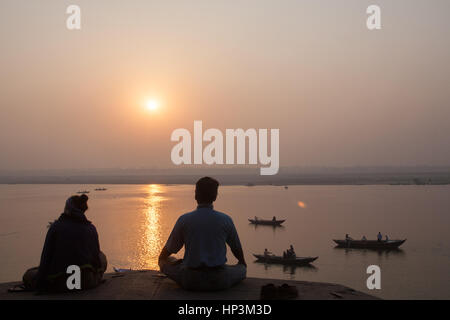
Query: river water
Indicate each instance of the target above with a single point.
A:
(134, 222)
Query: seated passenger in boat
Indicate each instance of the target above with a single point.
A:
(204, 233)
(364, 238)
(348, 238)
(267, 252)
(292, 252)
(274, 219)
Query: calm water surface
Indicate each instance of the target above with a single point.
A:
(134, 222)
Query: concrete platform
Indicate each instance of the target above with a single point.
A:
(143, 285)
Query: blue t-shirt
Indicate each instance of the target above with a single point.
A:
(204, 233)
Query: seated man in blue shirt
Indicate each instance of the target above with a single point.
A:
(204, 233)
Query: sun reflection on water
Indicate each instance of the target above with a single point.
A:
(151, 241)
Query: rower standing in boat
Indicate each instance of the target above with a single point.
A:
(379, 236)
(348, 239)
(274, 219)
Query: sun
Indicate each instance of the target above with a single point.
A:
(152, 105)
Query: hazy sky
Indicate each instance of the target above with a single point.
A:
(340, 94)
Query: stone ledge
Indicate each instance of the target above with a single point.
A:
(148, 284)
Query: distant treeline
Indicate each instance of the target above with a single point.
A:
(287, 176)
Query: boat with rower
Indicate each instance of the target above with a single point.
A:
(369, 244)
(281, 260)
(266, 222)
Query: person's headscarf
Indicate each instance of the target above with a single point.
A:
(74, 207)
(74, 210)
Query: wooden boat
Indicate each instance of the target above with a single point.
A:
(121, 270)
(288, 261)
(370, 244)
(266, 222)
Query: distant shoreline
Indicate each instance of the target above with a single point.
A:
(430, 178)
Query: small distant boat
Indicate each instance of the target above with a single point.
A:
(286, 187)
(369, 244)
(83, 192)
(266, 222)
(101, 189)
(121, 270)
(288, 261)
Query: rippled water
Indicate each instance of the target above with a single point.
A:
(134, 222)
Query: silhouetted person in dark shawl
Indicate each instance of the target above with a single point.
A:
(71, 240)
